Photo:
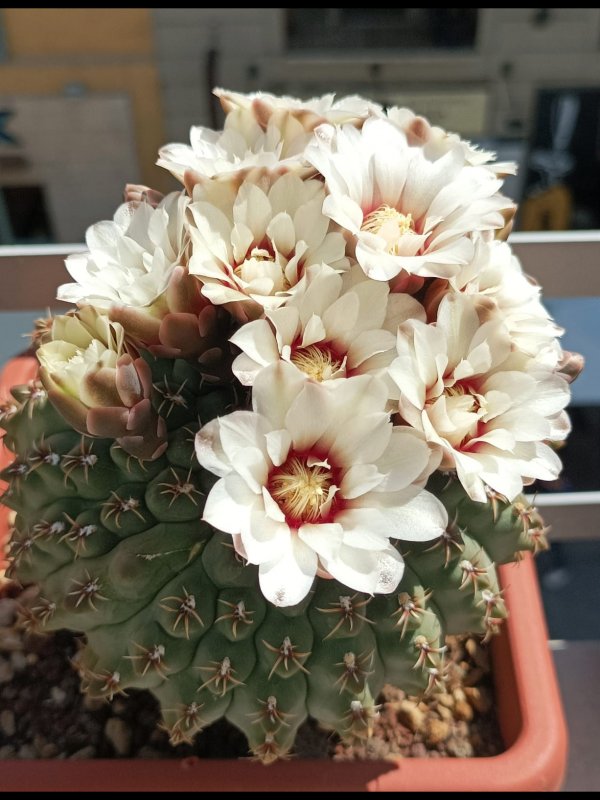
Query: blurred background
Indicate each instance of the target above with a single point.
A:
(87, 96)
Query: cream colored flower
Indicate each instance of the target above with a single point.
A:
(242, 146)
(130, 258)
(327, 330)
(99, 388)
(309, 113)
(403, 210)
(253, 243)
(261, 131)
(137, 271)
(495, 279)
(317, 478)
(80, 344)
(490, 413)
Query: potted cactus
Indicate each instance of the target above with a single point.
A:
(276, 452)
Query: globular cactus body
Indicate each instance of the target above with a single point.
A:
(120, 553)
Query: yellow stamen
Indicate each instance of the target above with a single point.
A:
(317, 362)
(301, 490)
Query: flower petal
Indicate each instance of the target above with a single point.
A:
(370, 343)
(250, 464)
(364, 571)
(364, 442)
(404, 460)
(325, 539)
(256, 339)
(272, 510)
(411, 515)
(309, 415)
(314, 331)
(286, 581)
(229, 505)
(245, 369)
(264, 539)
(287, 325)
(242, 429)
(274, 390)
(278, 446)
(209, 450)
(359, 479)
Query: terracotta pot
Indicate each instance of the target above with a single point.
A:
(527, 698)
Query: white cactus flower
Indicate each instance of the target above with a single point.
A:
(130, 258)
(261, 131)
(242, 146)
(495, 274)
(82, 345)
(97, 386)
(403, 210)
(309, 113)
(459, 384)
(327, 330)
(316, 478)
(253, 243)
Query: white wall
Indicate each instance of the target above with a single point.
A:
(81, 150)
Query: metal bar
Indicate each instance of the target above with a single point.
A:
(564, 266)
(573, 516)
(554, 237)
(565, 499)
(572, 523)
(9, 251)
(29, 276)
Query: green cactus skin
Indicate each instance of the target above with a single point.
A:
(120, 553)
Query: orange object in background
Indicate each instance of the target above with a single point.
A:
(550, 210)
(18, 371)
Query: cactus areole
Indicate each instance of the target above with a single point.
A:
(277, 451)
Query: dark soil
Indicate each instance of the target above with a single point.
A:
(43, 714)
